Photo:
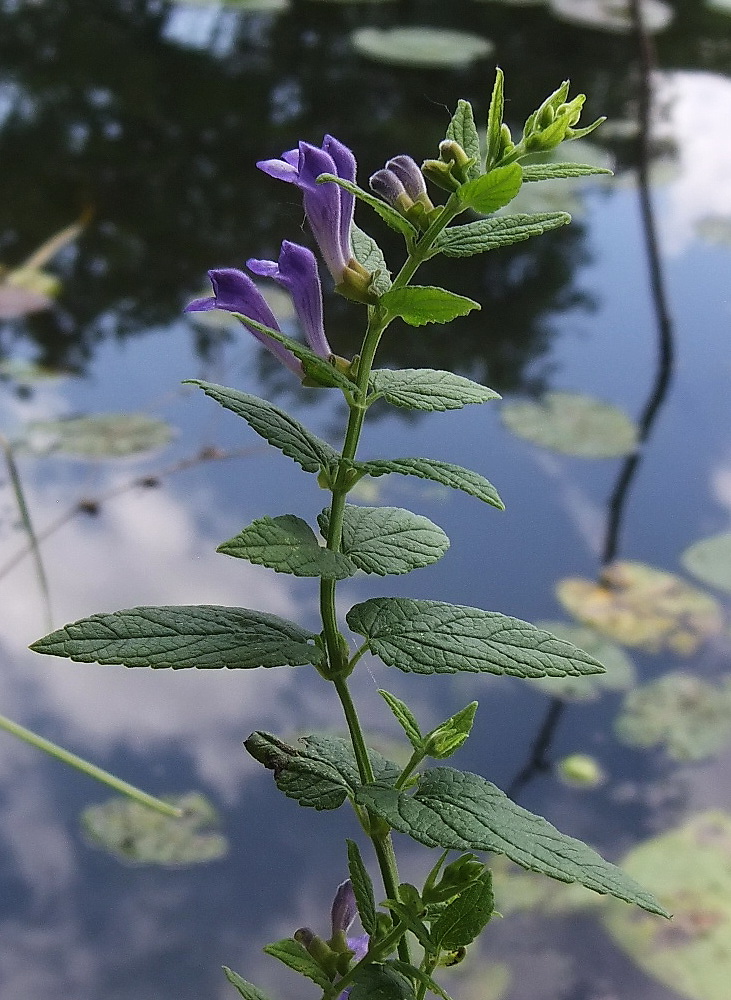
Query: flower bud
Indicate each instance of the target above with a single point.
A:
(440, 173)
(451, 152)
(408, 172)
(387, 185)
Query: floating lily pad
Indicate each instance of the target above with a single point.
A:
(103, 435)
(688, 716)
(638, 605)
(612, 15)
(689, 870)
(136, 833)
(580, 770)
(620, 671)
(28, 372)
(427, 48)
(710, 560)
(573, 424)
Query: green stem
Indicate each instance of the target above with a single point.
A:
(91, 769)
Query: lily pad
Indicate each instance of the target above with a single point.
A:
(612, 15)
(423, 47)
(136, 833)
(689, 870)
(639, 605)
(710, 560)
(102, 435)
(688, 716)
(620, 670)
(28, 372)
(580, 770)
(573, 424)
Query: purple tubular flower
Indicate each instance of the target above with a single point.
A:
(409, 173)
(329, 209)
(296, 270)
(234, 291)
(344, 912)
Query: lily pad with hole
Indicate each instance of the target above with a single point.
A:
(138, 834)
(710, 560)
(422, 47)
(102, 435)
(638, 605)
(620, 670)
(612, 15)
(690, 717)
(573, 424)
(689, 870)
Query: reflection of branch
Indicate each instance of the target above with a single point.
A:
(90, 505)
(538, 760)
(663, 375)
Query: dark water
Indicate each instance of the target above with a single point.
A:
(146, 120)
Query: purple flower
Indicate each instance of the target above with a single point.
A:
(344, 912)
(329, 208)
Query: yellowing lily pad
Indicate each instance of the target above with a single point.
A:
(423, 47)
(612, 15)
(686, 714)
(620, 671)
(102, 435)
(689, 870)
(710, 560)
(573, 424)
(136, 833)
(638, 605)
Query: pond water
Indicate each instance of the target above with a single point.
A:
(141, 122)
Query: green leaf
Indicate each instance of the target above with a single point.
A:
(389, 215)
(368, 253)
(287, 544)
(462, 130)
(462, 811)
(551, 171)
(362, 888)
(381, 982)
(418, 305)
(404, 717)
(204, 636)
(464, 918)
(428, 637)
(489, 234)
(447, 738)
(495, 118)
(294, 955)
(428, 389)
(493, 190)
(247, 990)
(444, 473)
(274, 425)
(388, 540)
(413, 973)
(320, 772)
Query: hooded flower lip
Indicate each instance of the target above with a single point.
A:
(329, 208)
(234, 291)
(409, 173)
(344, 912)
(296, 271)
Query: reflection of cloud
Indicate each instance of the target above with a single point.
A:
(696, 105)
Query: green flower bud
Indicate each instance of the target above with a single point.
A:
(440, 173)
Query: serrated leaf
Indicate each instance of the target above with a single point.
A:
(405, 718)
(274, 425)
(368, 253)
(493, 190)
(294, 955)
(320, 772)
(381, 982)
(287, 544)
(418, 305)
(362, 888)
(464, 918)
(495, 118)
(445, 473)
(428, 389)
(462, 130)
(247, 990)
(388, 540)
(489, 234)
(462, 811)
(428, 637)
(204, 636)
(389, 215)
(552, 171)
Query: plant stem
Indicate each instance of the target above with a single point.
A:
(87, 768)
